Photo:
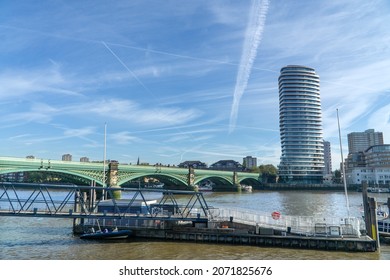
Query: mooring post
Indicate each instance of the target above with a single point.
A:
(92, 196)
(367, 215)
(76, 209)
(374, 220)
(388, 204)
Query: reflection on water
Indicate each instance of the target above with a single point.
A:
(46, 238)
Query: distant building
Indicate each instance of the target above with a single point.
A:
(371, 166)
(359, 145)
(12, 177)
(361, 141)
(249, 162)
(196, 164)
(355, 160)
(227, 165)
(84, 159)
(67, 157)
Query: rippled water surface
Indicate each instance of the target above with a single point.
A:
(47, 238)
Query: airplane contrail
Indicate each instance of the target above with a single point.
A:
(125, 66)
(253, 37)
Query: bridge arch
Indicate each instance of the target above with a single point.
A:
(249, 181)
(162, 177)
(73, 173)
(220, 180)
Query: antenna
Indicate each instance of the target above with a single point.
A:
(104, 157)
(342, 165)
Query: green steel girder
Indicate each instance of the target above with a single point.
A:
(214, 178)
(94, 171)
(130, 172)
(129, 176)
(86, 174)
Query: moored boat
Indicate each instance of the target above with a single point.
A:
(206, 186)
(106, 234)
(384, 227)
(155, 186)
(378, 190)
(246, 188)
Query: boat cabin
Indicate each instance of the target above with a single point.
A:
(126, 206)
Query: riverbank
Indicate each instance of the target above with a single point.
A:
(307, 187)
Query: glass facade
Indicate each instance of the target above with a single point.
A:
(300, 121)
(360, 141)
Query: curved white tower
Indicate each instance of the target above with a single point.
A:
(300, 122)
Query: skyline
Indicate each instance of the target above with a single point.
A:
(179, 81)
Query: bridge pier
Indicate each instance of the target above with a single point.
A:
(236, 183)
(113, 179)
(191, 178)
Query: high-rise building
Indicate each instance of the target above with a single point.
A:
(300, 122)
(84, 159)
(327, 158)
(361, 141)
(249, 162)
(67, 157)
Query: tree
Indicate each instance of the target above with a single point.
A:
(268, 173)
(337, 176)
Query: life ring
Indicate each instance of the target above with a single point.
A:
(275, 215)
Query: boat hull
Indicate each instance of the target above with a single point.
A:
(121, 234)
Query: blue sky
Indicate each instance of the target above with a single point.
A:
(183, 80)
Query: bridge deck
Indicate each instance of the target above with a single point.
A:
(119, 174)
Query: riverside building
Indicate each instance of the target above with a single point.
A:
(371, 166)
(300, 122)
(360, 141)
(368, 159)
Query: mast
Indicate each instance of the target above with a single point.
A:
(342, 165)
(104, 159)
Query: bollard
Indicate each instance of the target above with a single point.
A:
(374, 221)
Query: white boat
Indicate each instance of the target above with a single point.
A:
(378, 190)
(384, 228)
(381, 214)
(155, 186)
(206, 186)
(246, 188)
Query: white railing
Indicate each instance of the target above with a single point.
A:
(305, 225)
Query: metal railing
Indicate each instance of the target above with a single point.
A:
(303, 225)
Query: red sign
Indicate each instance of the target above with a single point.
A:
(275, 215)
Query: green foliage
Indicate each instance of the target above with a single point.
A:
(268, 173)
(337, 176)
(255, 170)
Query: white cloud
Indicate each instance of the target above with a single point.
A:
(253, 37)
(57, 73)
(22, 83)
(120, 109)
(124, 137)
(380, 120)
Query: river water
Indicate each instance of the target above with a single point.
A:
(52, 239)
